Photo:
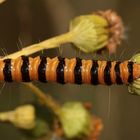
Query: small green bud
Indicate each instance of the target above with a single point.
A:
(134, 87)
(75, 120)
(40, 129)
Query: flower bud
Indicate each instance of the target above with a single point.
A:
(40, 129)
(96, 31)
(134, 87)
(75, 120)
(22, 117)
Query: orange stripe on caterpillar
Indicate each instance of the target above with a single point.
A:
(64, 70)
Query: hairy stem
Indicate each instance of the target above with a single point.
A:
(46, 44)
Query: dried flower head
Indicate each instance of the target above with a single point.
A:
(115, 27)
(134, 87)
(96, 31)
(97, 127)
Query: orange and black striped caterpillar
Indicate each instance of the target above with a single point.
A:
(64, 70)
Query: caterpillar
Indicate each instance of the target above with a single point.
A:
(64, 70)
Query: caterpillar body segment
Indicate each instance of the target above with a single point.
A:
(64, 70)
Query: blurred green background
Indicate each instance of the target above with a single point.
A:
(23, 22)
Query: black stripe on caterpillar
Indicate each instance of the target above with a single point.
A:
(64, 70)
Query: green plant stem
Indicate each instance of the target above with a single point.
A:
(46, 44)
(4, 116)
(45, 99)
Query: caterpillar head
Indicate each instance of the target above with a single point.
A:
(102, 29)
(134, 87)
